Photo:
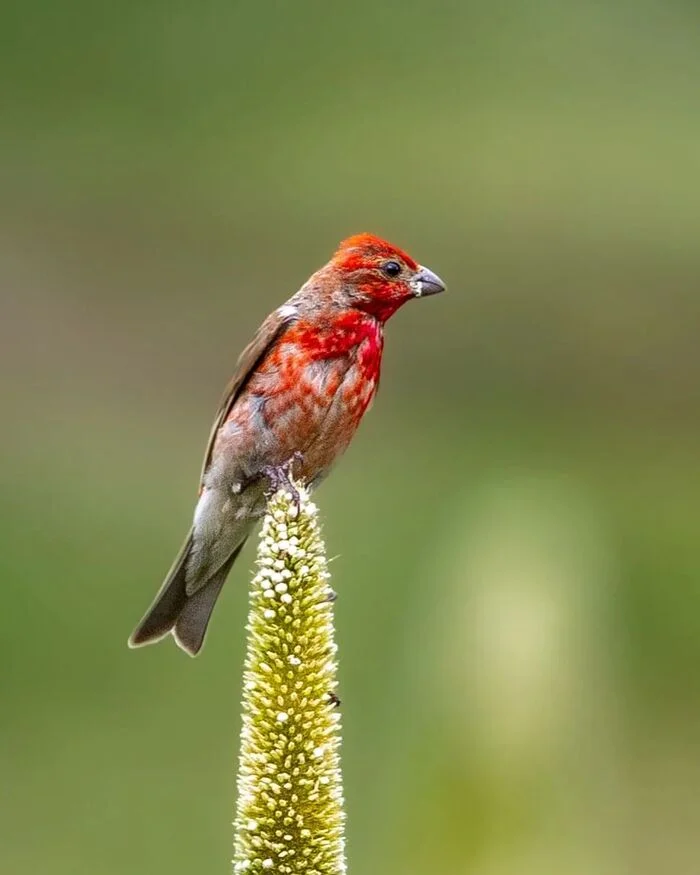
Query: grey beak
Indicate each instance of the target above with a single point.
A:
(427, 282)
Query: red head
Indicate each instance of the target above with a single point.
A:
(380, 277)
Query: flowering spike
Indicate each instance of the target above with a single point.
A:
(290, 815)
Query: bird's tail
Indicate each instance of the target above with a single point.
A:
(186, 616)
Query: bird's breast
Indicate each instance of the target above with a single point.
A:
(313, 392)
(308, 395)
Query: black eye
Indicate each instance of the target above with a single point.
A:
(391, 268)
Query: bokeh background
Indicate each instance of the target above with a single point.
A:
(517, 524)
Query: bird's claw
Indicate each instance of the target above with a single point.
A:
(282, 477)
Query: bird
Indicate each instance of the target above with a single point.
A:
(298, 394)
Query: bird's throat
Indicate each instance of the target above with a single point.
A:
(351, 332)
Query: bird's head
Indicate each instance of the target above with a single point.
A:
(378, 277)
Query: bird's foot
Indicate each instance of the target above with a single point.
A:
(281, 477)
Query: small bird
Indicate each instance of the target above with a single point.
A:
(299, 391)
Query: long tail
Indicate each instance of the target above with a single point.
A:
(187, 617)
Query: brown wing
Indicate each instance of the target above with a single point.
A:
(273, 327)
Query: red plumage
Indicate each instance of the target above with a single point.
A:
(301, 386)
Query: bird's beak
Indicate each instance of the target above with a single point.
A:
(425, 282)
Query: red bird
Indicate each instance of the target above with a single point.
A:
(300, 389)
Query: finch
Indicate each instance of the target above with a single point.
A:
(299, 390)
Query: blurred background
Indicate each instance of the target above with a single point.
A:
(517, 522)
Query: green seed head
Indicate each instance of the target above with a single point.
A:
(290, 815)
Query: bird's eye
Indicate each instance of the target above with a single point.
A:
(391, 268)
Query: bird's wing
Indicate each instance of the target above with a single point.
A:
(272, 328)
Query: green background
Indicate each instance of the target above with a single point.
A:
(517, 522)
